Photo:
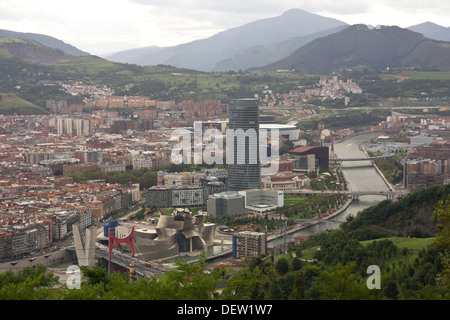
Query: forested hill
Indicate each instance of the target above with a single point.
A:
(359, 47)
(411, 215)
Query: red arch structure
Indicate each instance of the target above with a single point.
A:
(114, 241)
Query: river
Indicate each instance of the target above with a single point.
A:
(360, 176)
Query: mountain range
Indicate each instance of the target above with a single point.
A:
(294, 40)
(205, 54)
(255, 44)
(263, 55)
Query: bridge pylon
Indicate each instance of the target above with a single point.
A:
(391, 196)
(85, 251)
(356, 195)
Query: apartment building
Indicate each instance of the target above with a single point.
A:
(89, 155)
(150, 162)
(73, 126)
(249, 244)
(5, 245)
(428, 165)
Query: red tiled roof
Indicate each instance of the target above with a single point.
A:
(302, 149)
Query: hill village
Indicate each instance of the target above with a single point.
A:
(39, 154)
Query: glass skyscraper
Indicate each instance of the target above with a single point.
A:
(244, 171)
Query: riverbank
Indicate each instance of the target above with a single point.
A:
(299, 227)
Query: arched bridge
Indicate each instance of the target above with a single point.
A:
(391, 195)
(355, 195)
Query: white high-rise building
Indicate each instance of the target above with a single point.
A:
(73, 126)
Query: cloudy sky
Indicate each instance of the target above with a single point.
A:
(100, 26)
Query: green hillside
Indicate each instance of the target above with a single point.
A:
(410, 215)
(30, 50)
(13, 104)
(45, 40)
(359, 47)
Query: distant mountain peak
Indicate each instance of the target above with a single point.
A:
(432, 30)
(429, 23)
(204, 54)
(295, 11)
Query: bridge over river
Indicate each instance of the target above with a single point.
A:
(355, 195)
(122, 260)
(385, 156)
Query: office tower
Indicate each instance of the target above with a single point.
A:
(244, 170)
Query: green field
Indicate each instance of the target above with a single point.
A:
(415, 244)
(11, 39)
(292, 200)
(416, 75)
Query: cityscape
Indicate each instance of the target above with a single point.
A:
(163, 182)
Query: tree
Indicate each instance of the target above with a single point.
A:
(244, 285)
(282, 266)
(298, 291)
(191, 282)
(442, 214)
(340, 283)
(274, 292)
(29, 284)
(391, 291)
(95, 275)
(296, 264)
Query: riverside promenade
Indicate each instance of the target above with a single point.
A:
(311, 222)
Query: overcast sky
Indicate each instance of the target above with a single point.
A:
(100, 26)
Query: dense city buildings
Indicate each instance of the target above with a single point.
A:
(327, 88)
(40, 201)
(428, 165)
